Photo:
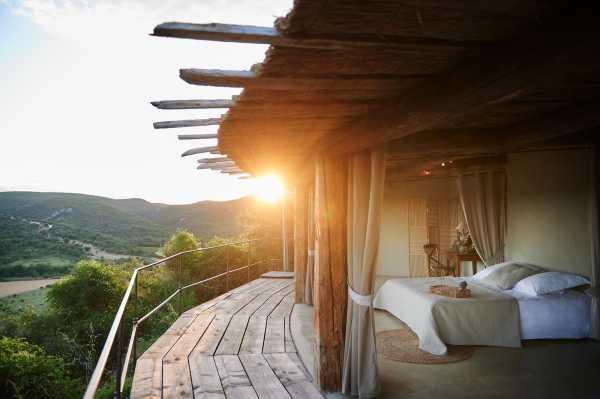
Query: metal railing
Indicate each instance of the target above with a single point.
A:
(115, 334)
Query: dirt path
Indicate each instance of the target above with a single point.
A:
(8, 288)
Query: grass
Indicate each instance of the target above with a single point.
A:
(38, 267)
(35, 299)
(52, 261)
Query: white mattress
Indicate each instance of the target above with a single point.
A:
(554, 316)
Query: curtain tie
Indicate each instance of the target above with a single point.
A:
(359, 299)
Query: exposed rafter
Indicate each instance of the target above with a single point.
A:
(216, 166)
(200, 150)
(464, 142)
(214, 160)
(187, 123)
(249, 79)
(198, 136)
(269, 35)
(192, 104)
(232, 171)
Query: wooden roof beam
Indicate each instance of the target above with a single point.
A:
(187, 123)
(213, 160)
(232, 170)
(200, 150)
(465, 142)
(270, 35)
(224, 163)
(216, 166)
(193, 104)
(250, 79)
(198, 136)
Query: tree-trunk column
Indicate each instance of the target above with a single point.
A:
(330, 294)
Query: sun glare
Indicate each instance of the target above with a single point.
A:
(268, 189)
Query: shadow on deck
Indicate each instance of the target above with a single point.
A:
(237, 345)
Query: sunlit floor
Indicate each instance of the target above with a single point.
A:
(568, 369)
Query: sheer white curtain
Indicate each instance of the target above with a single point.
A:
(365, 196)
(594, 291)
(483, 200)
(310, 259)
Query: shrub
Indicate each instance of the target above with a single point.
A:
(27, 372)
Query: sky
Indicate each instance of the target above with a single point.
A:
(76, 81)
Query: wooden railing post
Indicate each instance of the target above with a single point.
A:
(227, 268)
(248, 261)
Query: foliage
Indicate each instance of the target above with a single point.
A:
(73, 321)
(27, 372)
(27, 250)
(92, 287)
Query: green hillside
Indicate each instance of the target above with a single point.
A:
(39, 228)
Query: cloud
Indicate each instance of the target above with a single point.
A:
(83, 19)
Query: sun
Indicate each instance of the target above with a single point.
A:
(268, 189)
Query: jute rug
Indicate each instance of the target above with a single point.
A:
(402, 345)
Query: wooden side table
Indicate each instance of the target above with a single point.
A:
(458, 258)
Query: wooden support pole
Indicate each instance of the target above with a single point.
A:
(192, 104)
(330, 293)
(200, 150)
(300, 241)
(198, 136)
(187, 123)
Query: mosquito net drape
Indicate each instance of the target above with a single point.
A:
(483, 199)
(594, 291)
(310, 258)
(365, 196)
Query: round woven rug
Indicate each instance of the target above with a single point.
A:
(402, 345)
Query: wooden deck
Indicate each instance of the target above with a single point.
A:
(238, 345)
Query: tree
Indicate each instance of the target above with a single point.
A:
(92, 287)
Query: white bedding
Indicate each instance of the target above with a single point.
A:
(489, 317)
(554, 316)
(438, 320)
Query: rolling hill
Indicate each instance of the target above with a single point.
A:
(120, 226)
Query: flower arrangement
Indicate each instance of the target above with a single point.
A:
(463, 243)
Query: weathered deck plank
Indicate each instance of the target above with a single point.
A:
(206, 382)
(236, 346)
(293, 378)
(263, 379)
(233, 378)
(176, 370)
(232, 339)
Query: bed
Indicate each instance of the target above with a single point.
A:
(490, 317)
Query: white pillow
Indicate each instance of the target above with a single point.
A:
(490, 269)
(549, 282)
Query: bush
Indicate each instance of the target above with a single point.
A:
(27, 372)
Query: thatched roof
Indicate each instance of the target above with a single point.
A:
(346, 75)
